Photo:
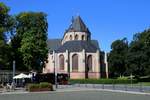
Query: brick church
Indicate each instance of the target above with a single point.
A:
(76, 54)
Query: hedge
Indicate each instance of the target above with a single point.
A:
(40, 86)
(45, 85)
(144, 79)
(102, 81)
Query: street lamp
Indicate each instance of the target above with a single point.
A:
(55, 70)
(14, 68)
(131, 77)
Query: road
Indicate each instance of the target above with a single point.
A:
(75, 95)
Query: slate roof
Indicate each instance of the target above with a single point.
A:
(73, 46)
(95, 43)
(77, 46)
(78, 26)
(53, 44)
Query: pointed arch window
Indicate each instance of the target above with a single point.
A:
(89, 63)
(61, 62)
(70, 37)
(75, 63)
(82, 37)
(76, 37)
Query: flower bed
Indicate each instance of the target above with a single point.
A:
(39, 87)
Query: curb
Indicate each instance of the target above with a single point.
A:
(74, 90)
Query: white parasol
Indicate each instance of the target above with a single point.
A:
(20, 76)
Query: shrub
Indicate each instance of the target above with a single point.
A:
(40, 87)
(144, 79)
(45, 85)
(32, 86)
(123, 78)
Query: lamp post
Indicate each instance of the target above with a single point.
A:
(55, 70)
(131, 78)
(55, 76)
(41, 64)
(14, 68)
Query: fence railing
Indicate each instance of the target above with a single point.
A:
(122, 87)
(6, 75)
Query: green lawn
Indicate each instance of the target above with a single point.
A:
(109, 81)
(144, 83)
(141, 83)
(102, 81)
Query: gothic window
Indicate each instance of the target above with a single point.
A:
(76, 37)
(75, 62)
(61, 62)
(82, 37)
(89, 63)
(70, 37)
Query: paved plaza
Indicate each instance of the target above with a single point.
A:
(75, 93)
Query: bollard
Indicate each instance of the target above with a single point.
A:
(141, 87)
(113, 86)
(125, 86)
(93, 85)
(86, 85)
(102, 86)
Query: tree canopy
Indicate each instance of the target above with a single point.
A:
(117, 57)
(139, 53)
(31, 34)
(7, 23)
(131, 58)
(28, 34)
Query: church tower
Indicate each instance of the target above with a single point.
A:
(77, 31)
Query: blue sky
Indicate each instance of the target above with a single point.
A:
(107, 20)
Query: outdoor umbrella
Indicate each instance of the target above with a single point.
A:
(21, 76)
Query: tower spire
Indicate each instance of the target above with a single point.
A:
(77, 25)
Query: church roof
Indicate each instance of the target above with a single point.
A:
(53, 44)
(78, 46)
(78, 25)
(72, 46)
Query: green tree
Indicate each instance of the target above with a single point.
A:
(117, 57)
(31, 37)
(139, 53)
(7, 23)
